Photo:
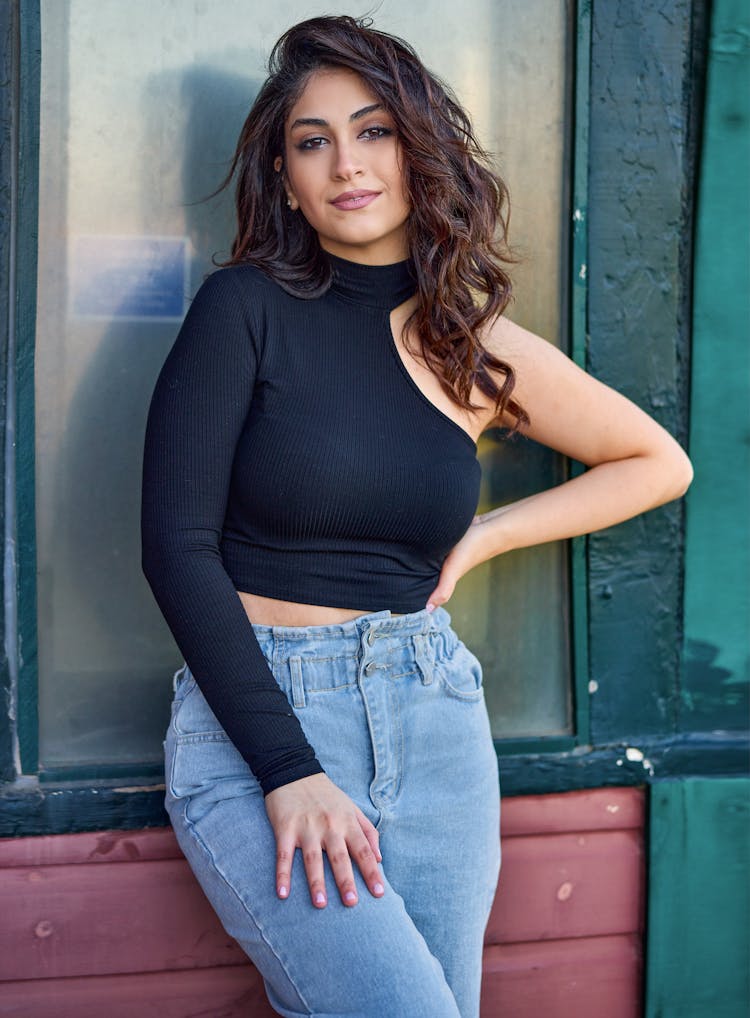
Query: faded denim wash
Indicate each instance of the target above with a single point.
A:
(394, 708)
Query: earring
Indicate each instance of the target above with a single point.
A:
(288, 204)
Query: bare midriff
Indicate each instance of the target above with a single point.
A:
(269, 611)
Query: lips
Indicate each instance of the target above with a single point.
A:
(354, 199)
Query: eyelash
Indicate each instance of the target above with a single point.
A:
(307, 146)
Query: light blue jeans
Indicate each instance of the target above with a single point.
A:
(394, 708)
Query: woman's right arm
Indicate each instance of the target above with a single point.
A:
(197, 412)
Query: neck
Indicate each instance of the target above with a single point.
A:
(379, 286)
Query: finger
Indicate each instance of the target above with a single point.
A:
(284, 856)
(312, 856)
(371, 833)
(341, 864)
(362, 853)
(440, 594)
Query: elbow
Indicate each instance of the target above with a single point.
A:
(149, 564)
(686, 478)
(678, 473)
(153, 552)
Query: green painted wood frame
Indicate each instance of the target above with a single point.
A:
(698, 941)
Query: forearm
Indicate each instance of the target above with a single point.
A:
(603, 496)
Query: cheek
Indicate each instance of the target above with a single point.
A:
(397, 181)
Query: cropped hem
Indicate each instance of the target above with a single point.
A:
(371, 590)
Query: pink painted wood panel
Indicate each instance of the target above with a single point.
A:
(585, 977)
(597, 809)
(233, 992)
(95, 846)
(582, 978)
(93, 920)
(118, 917)
(568, 885)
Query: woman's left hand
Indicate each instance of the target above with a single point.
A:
(462, 557)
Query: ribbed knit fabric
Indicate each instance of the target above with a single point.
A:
(290, 454)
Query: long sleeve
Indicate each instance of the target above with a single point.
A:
(197, 413)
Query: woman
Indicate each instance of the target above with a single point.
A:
(310, 484)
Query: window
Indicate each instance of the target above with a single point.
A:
(141, 104)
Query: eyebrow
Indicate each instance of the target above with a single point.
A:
(319, 122)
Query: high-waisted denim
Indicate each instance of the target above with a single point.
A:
(394, 708)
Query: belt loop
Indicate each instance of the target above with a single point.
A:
(424, 657)
(298, 686)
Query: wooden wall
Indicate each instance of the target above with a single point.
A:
(113, 923)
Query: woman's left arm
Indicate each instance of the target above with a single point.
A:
(634, 464)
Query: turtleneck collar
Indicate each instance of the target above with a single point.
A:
(377, 286)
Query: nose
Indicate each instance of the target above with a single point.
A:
(346, 163)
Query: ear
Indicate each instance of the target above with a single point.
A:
(291, 200)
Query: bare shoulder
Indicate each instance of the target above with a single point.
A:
(522, 349)
(569, 409)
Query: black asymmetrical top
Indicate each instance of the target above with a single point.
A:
(290, 454)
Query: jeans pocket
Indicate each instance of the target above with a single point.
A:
(191, 715)
(461, 673)
(205, 771)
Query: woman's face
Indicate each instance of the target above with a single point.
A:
(343, 169)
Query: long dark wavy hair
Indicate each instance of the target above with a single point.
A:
(457, 229)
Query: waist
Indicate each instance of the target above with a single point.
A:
(270, 611)
(341, 638)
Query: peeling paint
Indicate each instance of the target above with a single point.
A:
(564, 891)
(593, 686)
(139, 788)
(635, 755)
(582, 271)
(612, 807)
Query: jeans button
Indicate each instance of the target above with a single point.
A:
(370, 667)
(371, 638)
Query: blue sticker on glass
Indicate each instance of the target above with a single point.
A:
(129, 277)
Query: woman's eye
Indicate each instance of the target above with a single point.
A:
(372, 133)
(310, 143)
(369, 134)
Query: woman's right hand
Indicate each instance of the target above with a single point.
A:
(313, 814)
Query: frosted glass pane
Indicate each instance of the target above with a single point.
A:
(142, 102)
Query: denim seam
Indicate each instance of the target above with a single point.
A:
(400, 761)
(261, 930)
(189, 738)
(403, 675)
(282, 656)
(331, 689)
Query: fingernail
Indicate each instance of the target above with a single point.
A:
(350, 896)
(283, 891)
(430, 606)
(378, 888)
(320, 898)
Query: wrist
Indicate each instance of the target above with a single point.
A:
(493, 534)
